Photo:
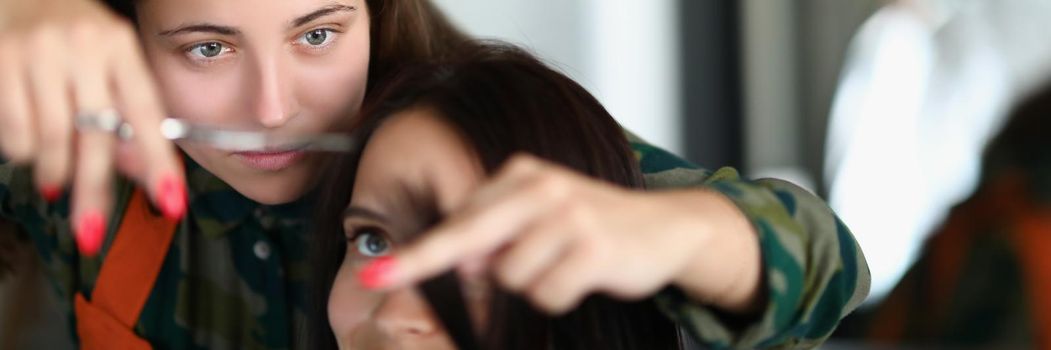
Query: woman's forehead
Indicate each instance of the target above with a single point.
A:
(228, 12)
(416, 148)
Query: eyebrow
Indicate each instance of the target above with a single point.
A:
(201, 28)
(421, 208)
(362, 212)
(322, 12)
(231, 31)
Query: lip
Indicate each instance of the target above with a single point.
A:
(270, 160)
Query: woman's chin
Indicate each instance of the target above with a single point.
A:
(269, 187)
(271, 196)
(274, 189)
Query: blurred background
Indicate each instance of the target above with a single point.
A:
(883, 107)
(742, 83)
(833, 95)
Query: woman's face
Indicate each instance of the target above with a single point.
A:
(286, 66)
(434, 172)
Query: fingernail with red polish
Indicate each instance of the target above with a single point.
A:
(377, 274)
(51, 193)
(171, 196)
(90, 230)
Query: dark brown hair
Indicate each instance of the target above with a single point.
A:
(402, 32)
(503, 101)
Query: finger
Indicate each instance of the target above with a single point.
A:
(534, 252)
(568, 282)
(129, 162)
(518, 169)
(16, 130)
(141, 107)
(480, 229)
(51, 104)
(93, 178)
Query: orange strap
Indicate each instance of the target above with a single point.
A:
(1033, 239)
(1005, 200)
(945, 254)
(125, 280)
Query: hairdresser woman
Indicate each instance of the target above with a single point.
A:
(218, 259)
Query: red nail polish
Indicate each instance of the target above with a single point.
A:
(171, 195)
(90, 230)
(376, 274)
(51, 193)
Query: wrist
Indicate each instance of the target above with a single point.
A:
(726, 269)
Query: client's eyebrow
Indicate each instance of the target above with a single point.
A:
(414, 211)
(362, 212)
(423, 208)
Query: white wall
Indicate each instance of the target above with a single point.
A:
(624, 52)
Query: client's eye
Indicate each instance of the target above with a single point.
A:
(371, 242)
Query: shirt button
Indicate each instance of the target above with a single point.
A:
(262, 250)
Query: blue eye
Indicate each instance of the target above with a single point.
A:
(371, 243)
(208, 49)
(317, 37)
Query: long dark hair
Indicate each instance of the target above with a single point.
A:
(504, 101)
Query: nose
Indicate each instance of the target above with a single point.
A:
(404, 314)
(271, 91)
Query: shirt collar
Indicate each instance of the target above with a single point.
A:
(217, 208)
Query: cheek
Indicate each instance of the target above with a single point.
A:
(206, 97)
(348, 304)
(333, 87)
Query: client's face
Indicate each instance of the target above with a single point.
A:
(414, 166)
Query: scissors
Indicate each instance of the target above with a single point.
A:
(220, 138)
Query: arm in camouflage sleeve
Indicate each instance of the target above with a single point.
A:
(814, 271)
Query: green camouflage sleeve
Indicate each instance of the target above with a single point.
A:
(815, 273)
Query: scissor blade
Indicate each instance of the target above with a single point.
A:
(235, 140)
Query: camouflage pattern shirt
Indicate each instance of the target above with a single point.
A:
(236, 274)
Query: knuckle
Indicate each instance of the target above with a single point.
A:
(119, 35)
(550, 186)
(577, 216)
(519, 160)
(142, 110)
(51, 166)
(125, 38)
(8, 47)
(508, 276)
(556, 295)
(593, 250)
(504, 276)
(43, 39)
(17, 152)
(541, 298)
(520, 163)
(558, 305)
(120, 25)
(15, 143)
(54, 134)
(84, 31)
